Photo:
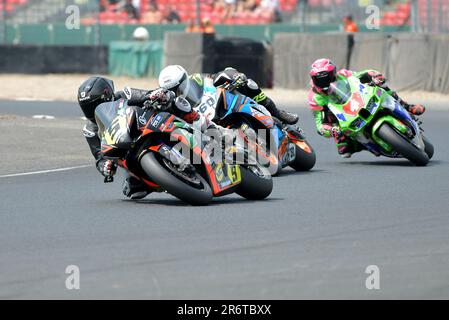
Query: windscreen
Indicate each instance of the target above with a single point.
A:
(191, 91)
(104, 114)
(339, 92)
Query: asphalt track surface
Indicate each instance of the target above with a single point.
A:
(313, 238)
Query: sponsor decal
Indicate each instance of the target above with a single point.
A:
(354, 105)
(142, 120)
(261, 96)
(127, 92)
(234, 173)
(84, 98)
(156, 121)
(219, 172)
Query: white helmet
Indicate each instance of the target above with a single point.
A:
(172, 76)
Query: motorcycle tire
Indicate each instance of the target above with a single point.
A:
(304, 161)
(402, 145)
(182, 190)
(256, 184)
(428, 147)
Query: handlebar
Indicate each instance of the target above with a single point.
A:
(230, 86)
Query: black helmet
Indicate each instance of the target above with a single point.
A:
(225, 76)
(92, 93)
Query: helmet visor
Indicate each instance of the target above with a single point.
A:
(111, 84)
(191, 91)
(323, 80)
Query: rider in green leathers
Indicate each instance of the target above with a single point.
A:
(323, 72)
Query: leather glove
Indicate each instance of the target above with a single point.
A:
(161, 95)
(159, 99)
(240, 79)
(336, 132)
(377, 78)
(106, 167)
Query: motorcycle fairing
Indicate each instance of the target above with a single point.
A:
(114, 129)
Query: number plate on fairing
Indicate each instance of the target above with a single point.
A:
(226, 176)
(289, 155)
(208, 104)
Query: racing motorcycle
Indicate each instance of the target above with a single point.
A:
(275, 144)
(368, 115)
(169, 155)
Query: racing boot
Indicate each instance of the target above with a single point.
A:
(343, 148)
(341, 141)
(347, 147)
(284, 116)
(135, 189)
(416, 109)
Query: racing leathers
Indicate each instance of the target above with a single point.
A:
(133, 187)
(251, 89)
(326, 122)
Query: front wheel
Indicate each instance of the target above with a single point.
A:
(402, 146)
(256, 184)
(428, 147)
(305, 158)
(188, 187)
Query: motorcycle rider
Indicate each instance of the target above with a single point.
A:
(323, 72)
(97, 90)
(171, 76)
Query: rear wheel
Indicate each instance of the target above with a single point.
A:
(256, 183)
(402, 145)
(304, 160)
(189, 187)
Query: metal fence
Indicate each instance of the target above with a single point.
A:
(430, 16)
(22, 19)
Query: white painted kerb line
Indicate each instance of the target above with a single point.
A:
(34, 99)
(43, 171)
(43, 116)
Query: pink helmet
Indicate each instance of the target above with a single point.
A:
(323, 73)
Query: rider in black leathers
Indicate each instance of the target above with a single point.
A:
(97, 90)
(250, 88)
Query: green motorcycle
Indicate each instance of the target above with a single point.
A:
(369, 115)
